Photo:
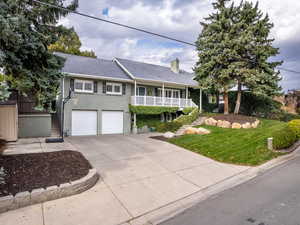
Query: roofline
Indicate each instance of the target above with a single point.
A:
(166, 82)
(97, 77)
(124, 68)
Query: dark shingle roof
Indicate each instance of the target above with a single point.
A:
(82, 65)
(157, 73)
(90, 66)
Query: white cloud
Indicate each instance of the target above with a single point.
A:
(176, 18)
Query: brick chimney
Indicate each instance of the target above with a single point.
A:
(175, 65)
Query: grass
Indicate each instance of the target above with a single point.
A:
(242, 147)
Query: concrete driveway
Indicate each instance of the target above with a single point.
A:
(139, 175)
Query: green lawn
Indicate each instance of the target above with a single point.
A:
(243, 147)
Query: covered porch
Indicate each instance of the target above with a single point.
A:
(168, 96)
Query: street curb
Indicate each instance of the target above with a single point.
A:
(50, 193)
(172, 209)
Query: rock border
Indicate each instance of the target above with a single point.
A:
(226, 124)
(41, 195)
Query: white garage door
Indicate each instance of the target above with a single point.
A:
(84, 122)
(112, 122)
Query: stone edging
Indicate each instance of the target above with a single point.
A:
(40, 195)
(226, 124)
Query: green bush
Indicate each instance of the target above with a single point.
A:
(283, 116)
(188, 110)
(148, 120)
(169, 126)
(284, 138)
(188, 119)
(151, 110)
(294, 125)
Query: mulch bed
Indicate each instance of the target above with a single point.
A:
(160, 138)
(26, 172)
(235, 118)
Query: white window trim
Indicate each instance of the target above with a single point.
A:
(172, 91)
(138, 91)
(83, 86)
(113, 88)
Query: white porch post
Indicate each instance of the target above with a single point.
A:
(163, 94)
(135, 92)
(134, 129)
(200, 101)
(186, 96)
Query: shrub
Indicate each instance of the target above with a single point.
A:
(148, 120)
(188, 119)
(169, 126)
(187, 110)
(2, 145)
(284, 138)
(151, 110)
(294, 125)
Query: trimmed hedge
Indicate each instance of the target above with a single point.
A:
(169, 126)
(188, 119)
(148, 120)
(188, 110)
(284, 138)
(294, 125)
(151, 110)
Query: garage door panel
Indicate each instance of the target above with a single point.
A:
(112, 122)
(84, 122)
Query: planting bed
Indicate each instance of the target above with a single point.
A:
(235, 118)
(26, 172)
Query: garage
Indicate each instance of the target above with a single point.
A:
(84, 123)
(112, 122)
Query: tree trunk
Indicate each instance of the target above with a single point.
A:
(238, 99)
(226, 102)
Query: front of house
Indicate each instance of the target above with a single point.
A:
(103, 90)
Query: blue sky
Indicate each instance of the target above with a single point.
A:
(179, 19)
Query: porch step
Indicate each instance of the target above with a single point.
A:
(197, 122)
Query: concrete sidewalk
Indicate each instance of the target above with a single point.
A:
(142, 180)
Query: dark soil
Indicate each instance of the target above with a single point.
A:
(235, 118)
(26, 172)
(160, 138)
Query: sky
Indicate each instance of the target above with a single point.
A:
(179, 19)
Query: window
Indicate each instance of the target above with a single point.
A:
(212, 99)
(141, 91)
(85, 86)
(114, 88)
(169, 93)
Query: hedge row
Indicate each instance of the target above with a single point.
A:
(188, 119)
(151, 110)
(287, 136)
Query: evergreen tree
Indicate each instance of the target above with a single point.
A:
(215, 50)
(253, 69)
(26, 29)
(70, 43)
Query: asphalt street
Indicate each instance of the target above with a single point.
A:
(272, 198)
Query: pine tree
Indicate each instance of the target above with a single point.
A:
(215, 50)
(253, 69)
(27, 29)
(70, 43)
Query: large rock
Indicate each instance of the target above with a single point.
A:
(193, 130)
(246, 126)
(255, 124)
(211, 122)
(169, 135)
(236, 126)
(202, 130)
(223, 124)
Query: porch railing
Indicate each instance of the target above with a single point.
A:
(162, 101)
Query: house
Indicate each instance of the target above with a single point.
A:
(102, 91)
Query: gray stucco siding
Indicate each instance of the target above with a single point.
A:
(98, 102)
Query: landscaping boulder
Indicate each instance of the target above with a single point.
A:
(211, 122)
(246, 126)
(236, 126)
(223, 124)
(202, 130)
(191, 130)
(169, 135)
(255, 124)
